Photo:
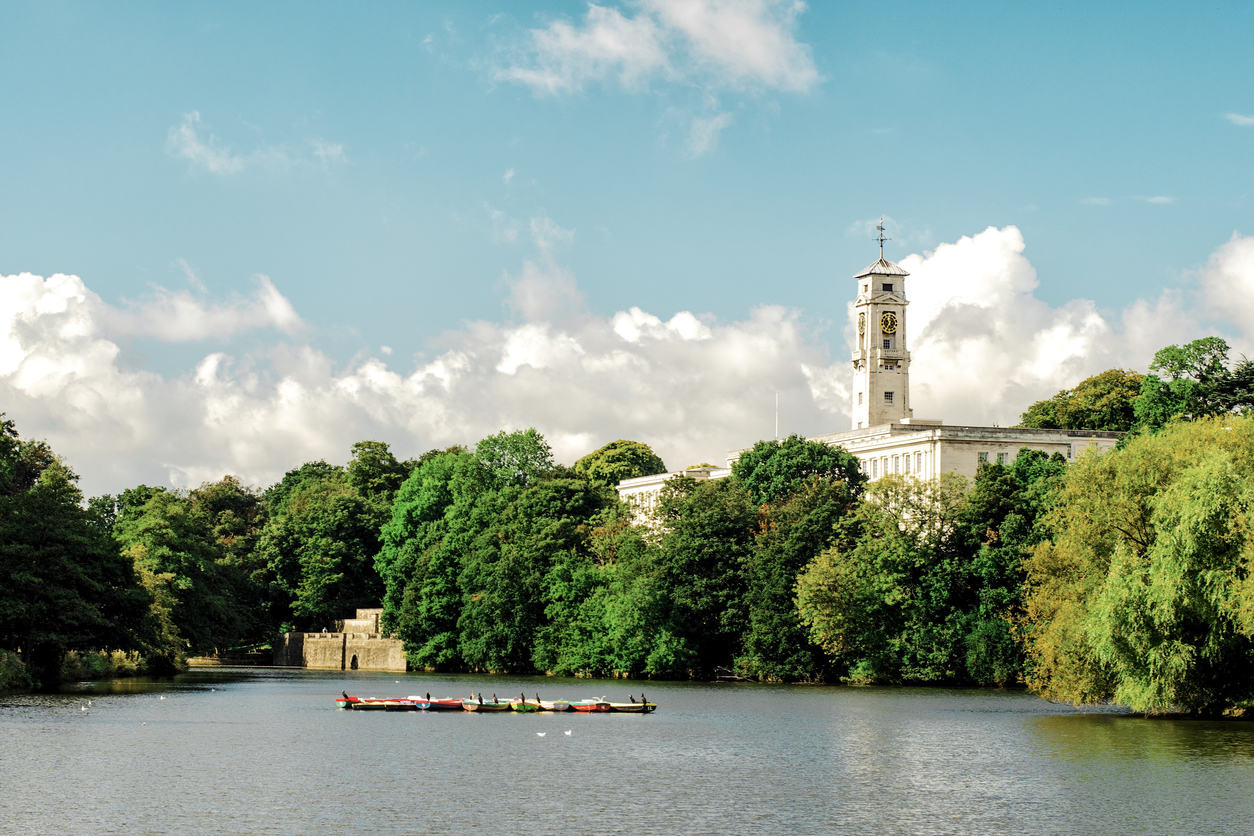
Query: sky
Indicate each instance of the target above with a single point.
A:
(234, 238)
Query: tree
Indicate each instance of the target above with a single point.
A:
(890, 602)
(1198, 383)
(1140, 594)
(515, 458)
(63, 583)
(790, 534)
(772, 470)
(619, 460)
(1102, 402)
(172, 538)
(700, 575)
(375, 473)
(320, 549)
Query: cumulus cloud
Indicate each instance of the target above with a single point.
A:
(721, 43)
(180, 316)
(983, 345)
(1240, 119)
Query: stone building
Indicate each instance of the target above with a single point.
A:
(886, 437)
(356, 644)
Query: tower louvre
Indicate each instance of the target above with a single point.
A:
(881, 363)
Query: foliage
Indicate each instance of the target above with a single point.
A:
(1197, 383)
(1141, 595)
(320, 551)
(772, 470)
(13, 675)
(790, 534)
(172, 542)
(619, 460)
(63, 583)
(516, 458)
(1102, 402)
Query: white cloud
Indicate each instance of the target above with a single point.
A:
(721, 43)
(1096, 201)
(1239, 119)
(984, 347)
(509, 175)
(208, 153)
(703, 137)
(179, 316)
(183, 140)
(1160, 200)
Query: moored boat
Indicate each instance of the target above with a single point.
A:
(345, 701)
(524, 705)
(556, 705)
(370, 705)
(446, 704)
(586, 706)
(486, 705)
(633, 707)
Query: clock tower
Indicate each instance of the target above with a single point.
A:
(881, 363)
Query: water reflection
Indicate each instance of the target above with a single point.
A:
(1116, 737)
(264, 751)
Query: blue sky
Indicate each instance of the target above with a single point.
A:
(392, 169)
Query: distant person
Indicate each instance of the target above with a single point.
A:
(324, 629)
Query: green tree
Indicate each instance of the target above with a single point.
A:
(172, 539)
(63, 583)
(891, 602)
(375, 473)
(700, 573)
(515, 458)
(772, 470)
(619, 460)
(1138, 596)
(1102, 402)
(790, 534)
(320, 551)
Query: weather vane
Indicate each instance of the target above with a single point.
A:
(881, 239)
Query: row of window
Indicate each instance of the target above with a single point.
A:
(903, 463)
(1002, 458)
(888, 398)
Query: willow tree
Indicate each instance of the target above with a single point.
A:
(1142, 596)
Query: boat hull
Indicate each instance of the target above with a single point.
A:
(590, 707)
(475, 705)
(632, 707)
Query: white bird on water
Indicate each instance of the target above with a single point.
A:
(82, 708)
(541, 734)
(568, 732)
(160, 698)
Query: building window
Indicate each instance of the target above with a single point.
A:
(888, 344)
(896, 464)
(875, 468)
(906, 461)
(888, 398)
(918, 463)
(1001, 458)
(888, 288)
(983, 458)
(859, 399)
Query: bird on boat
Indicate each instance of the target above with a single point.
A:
(630, 697)
(494, 699)
(345, 693)
(568, 732)
(541, 734)
(428, 696)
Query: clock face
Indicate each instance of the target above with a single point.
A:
(888, 323)
(861, 324)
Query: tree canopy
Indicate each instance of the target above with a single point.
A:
(619, 460)
(1101, 402)
(771, 470)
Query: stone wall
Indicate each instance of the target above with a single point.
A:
(337, 651)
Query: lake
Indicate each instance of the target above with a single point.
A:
(259, 751)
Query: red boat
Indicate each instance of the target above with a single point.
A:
(590, 705)
(446, 704)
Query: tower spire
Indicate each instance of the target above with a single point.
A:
(881, 239)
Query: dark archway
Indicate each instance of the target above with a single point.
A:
(353, 664)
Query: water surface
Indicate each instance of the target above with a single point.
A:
(264, 752)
